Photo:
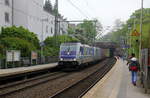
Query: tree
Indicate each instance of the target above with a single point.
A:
(18, 38)
(123, 30)
(14, 43)
(87, 29)
(21, 33)
(51, 49)
(99, 27)
(71, 30)
(48, 6)
(55, 10)
(1, 51)
(118, 25)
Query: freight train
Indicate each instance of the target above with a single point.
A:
(145, 68)
(77, 54)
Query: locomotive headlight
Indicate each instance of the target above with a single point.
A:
(74, 59)
(61, 59)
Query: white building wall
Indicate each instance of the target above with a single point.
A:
(35, 10)
(63, 27)
(5, 9)
(48, 25)
(30, 14)
(20, 13)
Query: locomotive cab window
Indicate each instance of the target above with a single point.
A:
(81, 50)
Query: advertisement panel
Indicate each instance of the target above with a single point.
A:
(34, 55)
(16, 55)
(12, 55)
(9, 56)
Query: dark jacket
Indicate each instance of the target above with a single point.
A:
(134, 64)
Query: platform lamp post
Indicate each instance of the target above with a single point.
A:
(134, 21)
(129, 37)
(56, 17)
(134, 27)
(141, 30)
(42, 39)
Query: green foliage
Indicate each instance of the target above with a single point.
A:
(14, 43)
(21, 33)
(18, 38)
(85, 31)
(126, 32)
(52, 44)
(145, 30)
(71, 30)
(48, 6)
(1, 50)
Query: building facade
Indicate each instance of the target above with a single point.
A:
(5, 13)
(29, 14)
(63, 26)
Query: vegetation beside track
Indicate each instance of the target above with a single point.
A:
(122, 31)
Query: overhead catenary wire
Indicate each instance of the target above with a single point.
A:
(86, 7)
(89, 7)
(78, 9)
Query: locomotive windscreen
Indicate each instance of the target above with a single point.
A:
(68, 48)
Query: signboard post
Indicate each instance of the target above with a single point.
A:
(34, 56)
(135, 33)
(12, 56)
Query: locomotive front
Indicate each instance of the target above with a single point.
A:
(68, 54)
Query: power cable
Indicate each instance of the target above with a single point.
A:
(89, 13)
(89, 7)
(78, 9)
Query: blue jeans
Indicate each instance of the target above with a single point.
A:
(134, 76)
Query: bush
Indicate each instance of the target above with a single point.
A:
(21, 33)
(14, 43)
(52, 44)
(18, 38)
(1, 51)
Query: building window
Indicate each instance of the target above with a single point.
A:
(51, 30)
(46, 29)
(7, 2)
(6, 17)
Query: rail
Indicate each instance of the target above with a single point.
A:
(21, 85)
(77, 87)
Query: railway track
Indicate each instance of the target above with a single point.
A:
(78, 89)
(28, 83)
(57, 84)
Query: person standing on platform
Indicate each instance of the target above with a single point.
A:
(134, 68)
(129, 59)
(124, 58)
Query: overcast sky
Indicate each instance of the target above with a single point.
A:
(107, 11)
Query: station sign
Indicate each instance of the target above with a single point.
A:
(135, 33)
(34, 55)
(13, 55)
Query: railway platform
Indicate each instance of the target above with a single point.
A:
(21, 70)
(117, 84)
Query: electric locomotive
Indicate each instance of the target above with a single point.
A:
(76, 54)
